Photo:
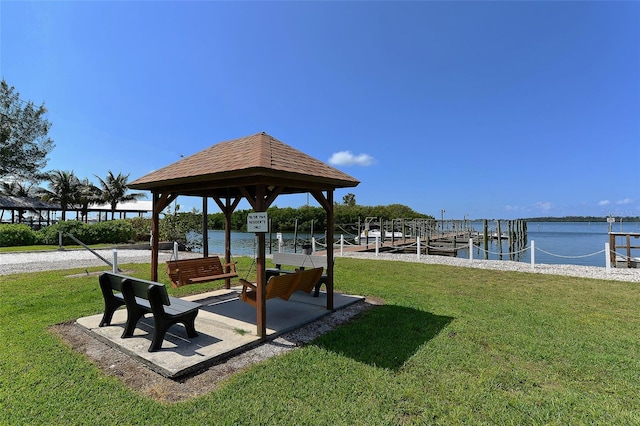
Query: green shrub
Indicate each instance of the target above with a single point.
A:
(80, 230)
(16, 235)
(141, 228)
(173, 229)
(113, 231)
(109, 232)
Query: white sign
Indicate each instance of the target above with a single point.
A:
(611, 220)
(257, 222)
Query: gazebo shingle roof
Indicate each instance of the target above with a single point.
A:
(259, 155)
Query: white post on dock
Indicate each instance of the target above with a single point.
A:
(114, 267)
(341, 244)
(607, 257)
(533, 254)
(280, 242)
(377, 245)
(471, 249)
(418, 244)
(313, 244)
(175, 250)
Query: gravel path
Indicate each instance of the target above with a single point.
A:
(11, 263)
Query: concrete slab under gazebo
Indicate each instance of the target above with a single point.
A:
(226, 327)
(257, 168)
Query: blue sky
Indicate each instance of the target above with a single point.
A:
(483, 109)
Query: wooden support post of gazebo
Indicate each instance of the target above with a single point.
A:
(227, 207)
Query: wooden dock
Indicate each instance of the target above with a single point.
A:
(626, 260)
(444, 246)
(442, 238)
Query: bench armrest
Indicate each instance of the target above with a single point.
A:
(231, 264)
(246, 284)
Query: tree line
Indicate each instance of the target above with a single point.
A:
(580, 219)
(287, 219)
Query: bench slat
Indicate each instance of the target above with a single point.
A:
(181, 305)
(204, 279)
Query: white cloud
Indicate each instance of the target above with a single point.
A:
(346, 158)
(625, 201)
(604, 203)
(544, 206)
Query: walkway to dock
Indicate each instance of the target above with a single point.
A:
(443, 245)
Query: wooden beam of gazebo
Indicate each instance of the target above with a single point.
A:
(258, 168)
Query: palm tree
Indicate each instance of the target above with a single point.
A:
(114, 190)
(64, 188)
(88, 194)
(18, 189)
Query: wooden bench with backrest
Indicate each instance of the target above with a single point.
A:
(277, 286)
(146, 297)
(300, 261)
(309, 279)
(204, 269)
(282, 286)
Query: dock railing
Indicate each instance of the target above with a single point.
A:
(422, 246)
(627, 258)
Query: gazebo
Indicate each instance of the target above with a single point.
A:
(257, 168)
(22, 204)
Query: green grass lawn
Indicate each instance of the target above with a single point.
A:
(450, 346)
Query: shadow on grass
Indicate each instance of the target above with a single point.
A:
(386, 336)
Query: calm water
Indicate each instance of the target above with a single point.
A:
(575, 243)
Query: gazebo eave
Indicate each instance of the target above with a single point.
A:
(224, 182)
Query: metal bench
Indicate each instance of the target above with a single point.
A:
(146, 297)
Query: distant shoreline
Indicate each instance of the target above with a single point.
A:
(580, 219)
